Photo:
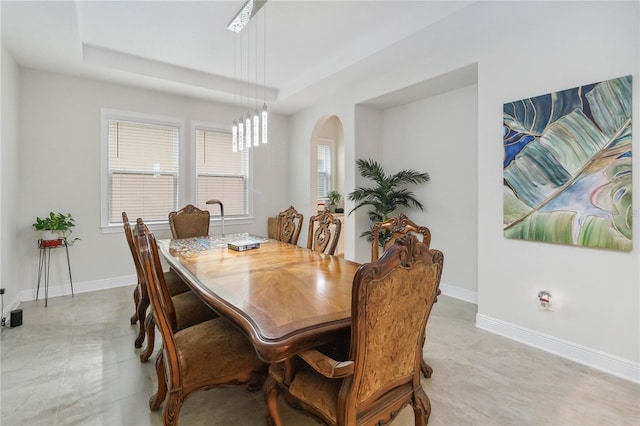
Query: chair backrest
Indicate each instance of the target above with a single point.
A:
(134, 251)
(189, 222)
(141, 241)
(159, 297)
(396, 227)
(324, 232)
(391, 302)
(289, 226)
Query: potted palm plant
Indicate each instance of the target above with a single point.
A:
(55, 226)
(388, 193)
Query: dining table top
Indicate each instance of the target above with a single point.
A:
(286, 298)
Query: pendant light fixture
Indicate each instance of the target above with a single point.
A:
(234, 136)
(247, 135)
(253, 128)
(265, 113)
(256, 116)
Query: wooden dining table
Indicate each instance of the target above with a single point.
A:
(285, 298)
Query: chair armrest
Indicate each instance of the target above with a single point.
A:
(327, 366)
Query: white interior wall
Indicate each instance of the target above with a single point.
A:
(596, 292)
(439, 135)
(9, 211)
(522, 49)
(60, 170)
(368, 139)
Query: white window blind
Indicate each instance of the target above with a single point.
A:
(221, 174)
(143, 170)
(325, 155)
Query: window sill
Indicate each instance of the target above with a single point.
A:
(164, 226)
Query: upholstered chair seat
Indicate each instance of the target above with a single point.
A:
(215, 351)
(311, 388)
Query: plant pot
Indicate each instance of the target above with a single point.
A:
(49, 235)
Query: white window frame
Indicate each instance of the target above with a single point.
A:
(332, 144)
(193, 178)
(112, 114)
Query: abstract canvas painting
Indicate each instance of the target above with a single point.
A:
(567, 166)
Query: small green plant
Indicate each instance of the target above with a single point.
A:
(334, 197)
(56, 222)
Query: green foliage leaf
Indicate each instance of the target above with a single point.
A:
(598, 232)
(552, 227)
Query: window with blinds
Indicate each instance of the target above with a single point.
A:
(325, 156)
(221, 174)
(143, 170)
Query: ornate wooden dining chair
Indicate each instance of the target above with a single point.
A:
(210, 354)
(140, 295)
(390, 304)
(289, 226)
(395, 228)
(324, 232)
(190, 309)
(189, 222)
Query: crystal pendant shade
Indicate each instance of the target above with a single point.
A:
(256, 128)
(234, 137)
(247, 133)
(265, 126)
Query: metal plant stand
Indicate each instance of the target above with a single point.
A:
(44, 264)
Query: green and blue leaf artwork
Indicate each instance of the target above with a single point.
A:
(567, 166)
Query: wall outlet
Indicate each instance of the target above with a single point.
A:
(3, 321)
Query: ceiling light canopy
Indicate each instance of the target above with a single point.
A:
(244, 15)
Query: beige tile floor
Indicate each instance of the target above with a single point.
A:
(74, 363)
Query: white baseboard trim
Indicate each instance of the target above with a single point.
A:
(459, 293)
(81, 287)
(602, 361)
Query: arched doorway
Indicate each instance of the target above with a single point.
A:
(327, 166)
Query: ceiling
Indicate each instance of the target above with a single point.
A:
(183, 47)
